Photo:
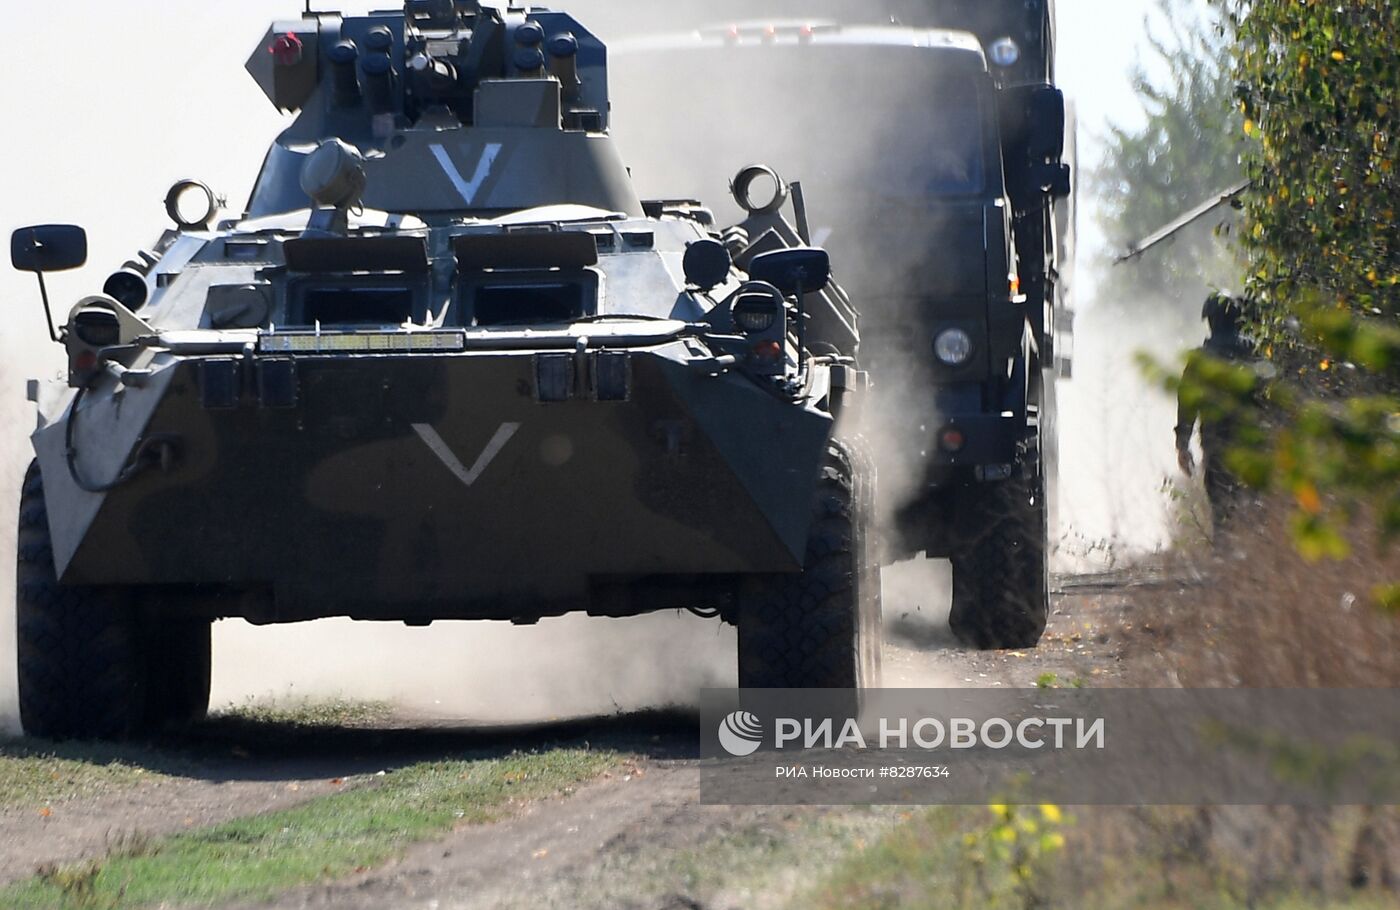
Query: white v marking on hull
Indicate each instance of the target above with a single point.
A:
(468, 189)
(459, 470)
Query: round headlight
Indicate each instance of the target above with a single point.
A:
(953, 347)
(1005, 52)
(127, 287)
(755, 314)
(97, 327)
(334, 174)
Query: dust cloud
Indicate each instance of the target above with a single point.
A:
(11, 453)
(1117, 467)
(483, 671)
(1119, 483)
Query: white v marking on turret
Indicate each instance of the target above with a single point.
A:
(468, 189)
(448, 458)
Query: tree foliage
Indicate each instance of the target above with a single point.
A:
(1186, 150)
(1319, 91)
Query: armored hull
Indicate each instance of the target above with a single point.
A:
(440, 485)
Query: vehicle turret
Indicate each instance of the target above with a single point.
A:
(434, 97)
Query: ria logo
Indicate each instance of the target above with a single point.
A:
(741, 733)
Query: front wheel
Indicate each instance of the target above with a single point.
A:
(820, 628)
(81, 673)
(1001, 578)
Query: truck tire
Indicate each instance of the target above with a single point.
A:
(1001, 580)
(79, 648)
(178, 661)
(820, 628)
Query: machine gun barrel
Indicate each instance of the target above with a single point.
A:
(1170, 230)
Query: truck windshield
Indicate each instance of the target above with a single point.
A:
(885, 122)
(941, 152)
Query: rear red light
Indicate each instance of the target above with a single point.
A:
(768, 352)
(286, 50)
(952, 440)
(85, 361)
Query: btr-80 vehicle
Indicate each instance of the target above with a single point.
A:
(446, 366)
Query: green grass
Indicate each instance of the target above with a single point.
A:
(257, 857)
(36, 774)
(334, 712)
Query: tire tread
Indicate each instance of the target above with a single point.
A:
(78, 653)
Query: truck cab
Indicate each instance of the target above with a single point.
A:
(940, 142)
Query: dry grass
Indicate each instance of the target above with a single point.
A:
(1258, 615)
(1263, 617)
(1233, 856)
(1250, 614)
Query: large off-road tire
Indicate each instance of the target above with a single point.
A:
(178, 660)
(1001, 580)
(820, 628)
(81, 673)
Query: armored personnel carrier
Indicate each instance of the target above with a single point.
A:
(446, 366)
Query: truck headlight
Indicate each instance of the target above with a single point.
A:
(1005, 52)
(953, 347)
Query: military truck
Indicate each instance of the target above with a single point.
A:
(447, 365)
(942, 145)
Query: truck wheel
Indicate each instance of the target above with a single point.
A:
(178, 660)
(1001, 580)
(820, 628)
(79, 648)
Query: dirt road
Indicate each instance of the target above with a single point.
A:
(637, 838)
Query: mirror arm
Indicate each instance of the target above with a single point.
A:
(48, 313)
(801, 325)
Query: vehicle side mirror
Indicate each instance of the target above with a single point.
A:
(1046, 111)
(1059, 181)
(808, 268)
(48, 248)
(1034, 115)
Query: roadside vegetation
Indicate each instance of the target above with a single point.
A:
(1265, 618)
(1043, 857)
(35, 775)
(1185, 151)
(1303, 591)
(257, 857)
(1319, 88)
(305, 712)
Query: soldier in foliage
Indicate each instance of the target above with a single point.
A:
(1214, 406)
